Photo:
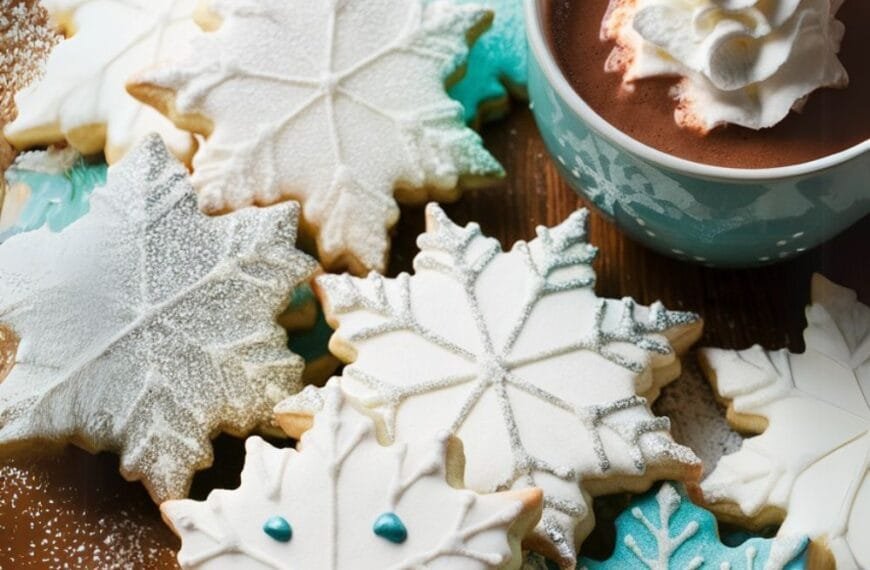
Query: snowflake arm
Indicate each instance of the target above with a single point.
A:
(179, 341)
(663, 529)
(333, 493)
(812, 473)
(352, 112)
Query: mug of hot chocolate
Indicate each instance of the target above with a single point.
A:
(727, 132)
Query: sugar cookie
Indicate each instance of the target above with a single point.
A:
(81, 97)
(337, 104)
(663, 530)
(810, 467)
(515, 354)
(146, 327)
(346, 501)
(497, 64)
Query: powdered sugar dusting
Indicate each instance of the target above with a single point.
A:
(697, 420)
(63, 512)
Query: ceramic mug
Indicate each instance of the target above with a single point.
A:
(719, 216)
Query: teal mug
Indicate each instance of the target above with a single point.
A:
(727, 217)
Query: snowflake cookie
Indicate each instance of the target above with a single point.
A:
(663, 530)
(339, 104)
(497, 64)
(82, 97)
(346, 501)
(810, 467)
(514, 353)
(48, 188)
(146, 327)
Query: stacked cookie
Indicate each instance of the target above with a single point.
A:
(486, 399)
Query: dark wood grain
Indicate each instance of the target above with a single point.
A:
(740, 307)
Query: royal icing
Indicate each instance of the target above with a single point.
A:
(146, 327)
(50, 188)
(812, 461)
(497, 62)
(346, 501)
(663, 530)
(350, 109)
(82, 96)
(515, 354)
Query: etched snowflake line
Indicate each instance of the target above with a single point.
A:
(828, 381)
(669, 502)
(780, 363)
(494, 368)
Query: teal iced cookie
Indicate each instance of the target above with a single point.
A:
(663, 530)
(497, 64)
(50, 188)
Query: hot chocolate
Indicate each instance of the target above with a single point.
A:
(830, 121)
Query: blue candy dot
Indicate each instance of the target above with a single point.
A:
(278, 528)
(390, 527)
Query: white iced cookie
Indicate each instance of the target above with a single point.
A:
(82, 99)
(145, 327)
(810, 467)
(339, 104)
(514, 353)
(346, 501)
(745, 62)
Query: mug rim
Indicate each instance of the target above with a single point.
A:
(540, 48)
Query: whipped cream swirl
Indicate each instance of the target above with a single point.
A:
(745, 62)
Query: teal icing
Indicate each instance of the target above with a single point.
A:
(56, 200)
(278, 528)
(390, 527)
(313, 343)
(302, 295)
(664, 529)
(497, 59)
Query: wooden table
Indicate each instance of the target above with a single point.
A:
(103, 520)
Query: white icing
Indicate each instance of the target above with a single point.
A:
(516, 355)
(146, 327)
(813, 459)
(332, 491)
(85, 75)
(668, 501)
(747, 62)
(352, 107)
